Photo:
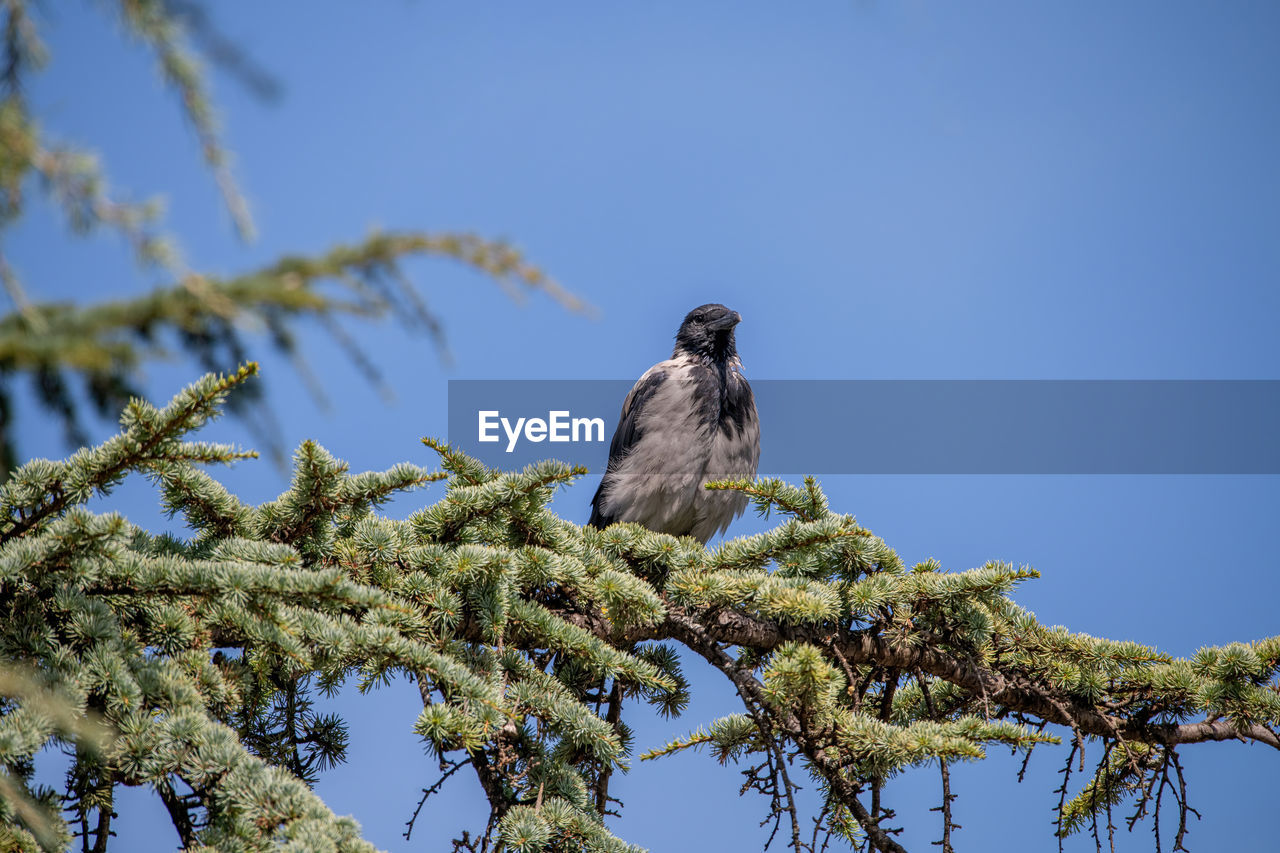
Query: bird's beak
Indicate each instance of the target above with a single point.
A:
(727, 321)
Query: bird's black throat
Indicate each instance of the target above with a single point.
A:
(717, 352)
(706, 337)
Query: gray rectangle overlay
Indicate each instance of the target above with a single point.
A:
(914, 426)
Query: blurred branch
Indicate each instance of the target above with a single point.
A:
(96, 351)
(156, 24)
(222, 51)
(105, 344)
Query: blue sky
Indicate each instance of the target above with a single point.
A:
(882, 190)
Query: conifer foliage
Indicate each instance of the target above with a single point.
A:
(194, 666)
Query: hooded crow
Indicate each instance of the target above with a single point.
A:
(688, 420)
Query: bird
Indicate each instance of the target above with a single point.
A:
(688, 420)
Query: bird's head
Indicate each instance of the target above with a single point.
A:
(707, 333)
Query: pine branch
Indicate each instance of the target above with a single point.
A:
(513, 622)
(86, 473)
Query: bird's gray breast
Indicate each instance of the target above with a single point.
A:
(687, 439)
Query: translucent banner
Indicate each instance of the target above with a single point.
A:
(912, 426)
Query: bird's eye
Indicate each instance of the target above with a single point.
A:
(698, 318)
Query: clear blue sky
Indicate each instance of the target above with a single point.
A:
(883, 190)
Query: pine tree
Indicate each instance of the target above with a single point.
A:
(189, 665)
(196, 666)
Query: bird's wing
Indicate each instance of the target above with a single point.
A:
(628, 432)
(740, 410)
